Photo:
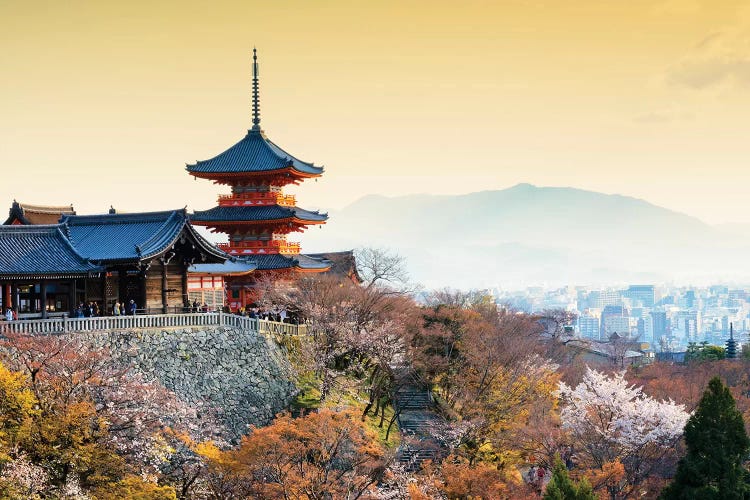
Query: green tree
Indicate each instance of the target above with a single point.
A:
(704, 352)
(717, 444)
(561, 487)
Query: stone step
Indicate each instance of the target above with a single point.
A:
(414, 400)
(412, 459)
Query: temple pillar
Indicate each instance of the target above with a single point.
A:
(105, 308)
(164, 304)
(14, 297)
(72, 305)
(123, 285)
(43, 298)
(142, 285)
(185, 296)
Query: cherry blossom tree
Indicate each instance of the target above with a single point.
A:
(611, 421)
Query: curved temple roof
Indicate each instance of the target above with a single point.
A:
(232, 267)
(25, 213)
(130, 237)
(257, 213)
(40, 251)
(277, 261)
(253, 154)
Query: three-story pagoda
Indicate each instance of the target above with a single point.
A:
(257, 216)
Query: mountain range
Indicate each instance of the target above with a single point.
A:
(529, 235)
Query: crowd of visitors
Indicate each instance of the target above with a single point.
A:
(93, 309)
(278, 314)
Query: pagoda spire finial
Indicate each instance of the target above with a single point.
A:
(256, 97)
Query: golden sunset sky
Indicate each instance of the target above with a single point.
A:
(102, 103)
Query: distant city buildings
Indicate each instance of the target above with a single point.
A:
(665, 317)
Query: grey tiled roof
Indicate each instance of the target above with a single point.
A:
(40, 251)
(343, 264)
(254, 153)
(130, 237)
(231, 266)
(278, 261)
(257, 213)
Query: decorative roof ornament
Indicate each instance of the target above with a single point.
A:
(256, 97)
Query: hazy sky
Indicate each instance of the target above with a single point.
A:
(104, 102)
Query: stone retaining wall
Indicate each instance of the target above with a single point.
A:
(246, 376)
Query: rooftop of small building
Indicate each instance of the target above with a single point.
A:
(27, 213)
(272, 262)
(232, 267)
(343, 263)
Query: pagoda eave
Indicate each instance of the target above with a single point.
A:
(271, 222)
(311, 271)
(284, 226)
(281, 176)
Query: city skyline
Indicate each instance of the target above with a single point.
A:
(105, 103)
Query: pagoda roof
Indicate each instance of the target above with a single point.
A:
(273, 262)
(232, 267)
(133, 236)
(343, 264)
(257, 213)
(255, 153)
(40, 251)
(25, 213)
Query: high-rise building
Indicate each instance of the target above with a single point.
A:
(660, 324)
(588, 326)
(690, 299)
(643, 294)
(615, 319)
(687, 324)
(646, 330)
(599, 299)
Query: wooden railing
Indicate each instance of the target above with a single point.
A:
(261, 246)
(257, 198)
(106, 323)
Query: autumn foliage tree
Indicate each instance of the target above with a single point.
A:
(325, 454)
(356, 329)
(75, 419)
(486, 365)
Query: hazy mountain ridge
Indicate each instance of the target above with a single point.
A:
(528, 234)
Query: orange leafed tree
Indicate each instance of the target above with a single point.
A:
(326, 454)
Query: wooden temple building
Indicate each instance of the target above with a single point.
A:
(257, 216)
(49, 269)
(25, 214)
(52, 259)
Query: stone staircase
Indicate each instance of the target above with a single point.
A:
(412, 398)
(417, 421)
(412, 459)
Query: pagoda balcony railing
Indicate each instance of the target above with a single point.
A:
(260, 247)
(64, 325)
(261, 198)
